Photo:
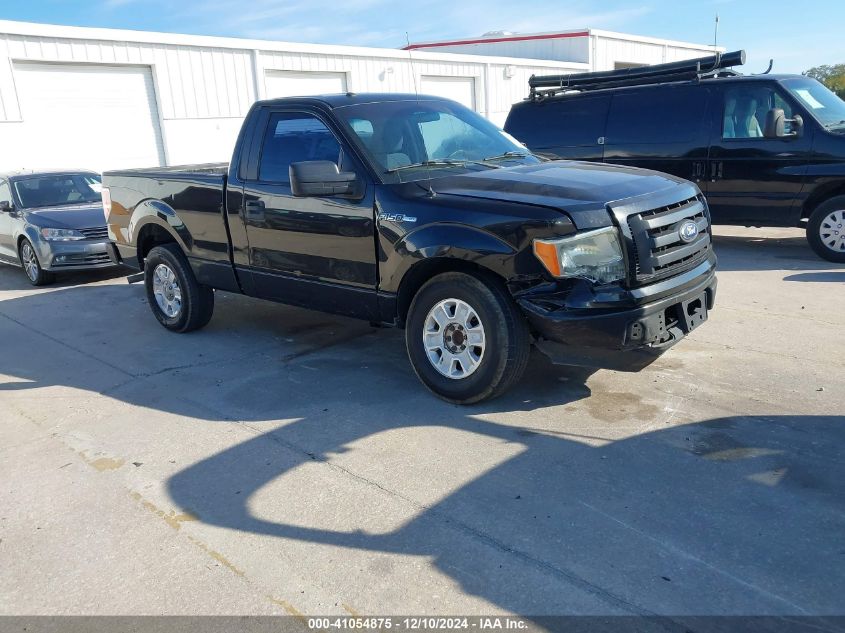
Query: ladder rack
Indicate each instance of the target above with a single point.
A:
(685, 70)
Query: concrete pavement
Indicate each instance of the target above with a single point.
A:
(286, 461)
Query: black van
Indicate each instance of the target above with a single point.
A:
(766, 150)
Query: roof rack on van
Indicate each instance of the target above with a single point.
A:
(685, 70)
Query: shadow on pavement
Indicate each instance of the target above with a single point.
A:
(755, 253)
(13, 278)
(727, 516)
(833, 276)
(736, 515)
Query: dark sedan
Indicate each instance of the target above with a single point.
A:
(52, 222)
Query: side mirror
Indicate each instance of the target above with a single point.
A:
(6, 206)
(776, 125)
(321, 178)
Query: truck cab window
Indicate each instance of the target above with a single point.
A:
(292, 137)
(746, 108)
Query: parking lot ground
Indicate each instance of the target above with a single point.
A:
(286, 461)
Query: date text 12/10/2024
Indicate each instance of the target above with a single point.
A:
(422, 623)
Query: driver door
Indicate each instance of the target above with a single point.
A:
(318, 252)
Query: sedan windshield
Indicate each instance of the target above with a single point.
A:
(55, 190)
(410, 140)
(825, 106)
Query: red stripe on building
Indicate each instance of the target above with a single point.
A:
(515, 38)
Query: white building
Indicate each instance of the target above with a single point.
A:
(600, 50)
(104, 98)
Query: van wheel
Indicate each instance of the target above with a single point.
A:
(826, 230)
(178, 302)
(32, 267)
(466, 338)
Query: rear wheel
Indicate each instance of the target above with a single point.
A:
(32, 267)
(466, 339)
(826, 230)
(177, 300)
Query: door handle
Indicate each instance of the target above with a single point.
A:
(254, 210)
(716, 168)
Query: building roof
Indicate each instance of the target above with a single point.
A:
(33, 29)
(506, 36)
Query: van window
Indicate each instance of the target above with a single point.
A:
(567, 122)
(646, 116)
(746, 107)
(292, 137)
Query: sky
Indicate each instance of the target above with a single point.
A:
(797, 35)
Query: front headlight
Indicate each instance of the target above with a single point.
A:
(61, 235)
(594, 255)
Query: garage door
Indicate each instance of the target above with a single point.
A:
(460, 89)
(88, 116)
(279, 84)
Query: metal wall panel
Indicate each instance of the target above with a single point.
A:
(203, 87)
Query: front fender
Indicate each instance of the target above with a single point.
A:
(161, 214)
(33, 234)
(446, 240)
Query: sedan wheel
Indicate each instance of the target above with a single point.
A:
(29, 261)
(32, 267)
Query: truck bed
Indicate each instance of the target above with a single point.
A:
(185, 201)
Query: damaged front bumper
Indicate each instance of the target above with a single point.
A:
(646, 321)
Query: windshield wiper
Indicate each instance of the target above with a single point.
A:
(507, 155)
(440, 162)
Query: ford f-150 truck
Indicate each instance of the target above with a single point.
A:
(416, 212)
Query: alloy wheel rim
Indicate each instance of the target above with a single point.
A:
(454, 339)
(832, 231)
(30, 263)
(166, 291)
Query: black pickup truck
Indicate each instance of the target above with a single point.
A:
(418, 213)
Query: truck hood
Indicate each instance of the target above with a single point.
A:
(579, 189)
(74, 216)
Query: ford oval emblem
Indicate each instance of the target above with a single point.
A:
(688, 231)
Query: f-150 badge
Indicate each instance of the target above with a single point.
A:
(395, 217)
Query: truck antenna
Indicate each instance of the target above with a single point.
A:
(431, 192)
(716, 34)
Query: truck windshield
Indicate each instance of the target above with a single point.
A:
(824, 105)
(408, 140)
(55, 190)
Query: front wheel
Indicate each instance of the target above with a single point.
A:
(466, 339)
(177, 300)
(32, 267)
(826, 230)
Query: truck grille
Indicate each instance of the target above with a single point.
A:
(96, 233)
(657, 249)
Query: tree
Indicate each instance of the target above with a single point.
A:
(831, 76)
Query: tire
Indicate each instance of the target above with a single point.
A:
(178, 302)
(445, 316)
(826, 230)
(36, 275)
